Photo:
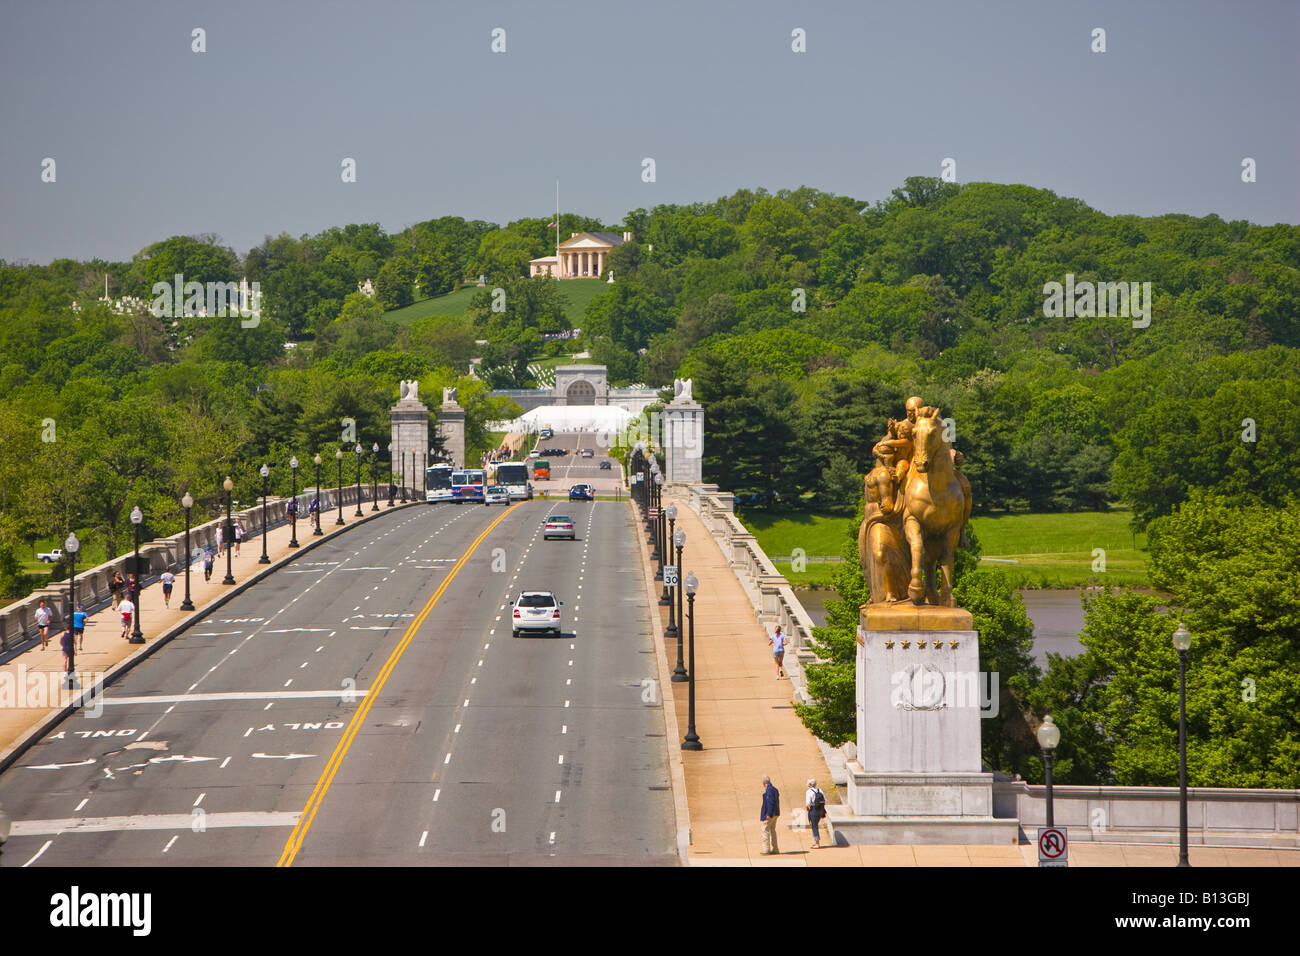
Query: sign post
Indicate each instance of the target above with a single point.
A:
(1053, 847)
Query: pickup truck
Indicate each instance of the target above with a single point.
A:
(51, 557)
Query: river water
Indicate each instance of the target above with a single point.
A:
(1057, 616)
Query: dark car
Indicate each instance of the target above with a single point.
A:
(582, 493)
(606, 465)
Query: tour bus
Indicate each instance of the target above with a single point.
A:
(514, 475)
(437, 483)
(467, 484)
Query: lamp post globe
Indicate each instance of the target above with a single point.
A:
(228, 535)
(692, 740)
(1049, 735)
(374, 481)
(1182, 639)
(293, 499)
(187, 503)
(137, 517)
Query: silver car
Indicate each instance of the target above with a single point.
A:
(536, 611)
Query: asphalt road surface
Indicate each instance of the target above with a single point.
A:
(367, 705)
(571, 469)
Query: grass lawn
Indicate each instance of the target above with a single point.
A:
(779, 533)
(578, 291)
(1040, 550)
(1056, 550)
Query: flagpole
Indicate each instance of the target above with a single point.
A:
(557, 226)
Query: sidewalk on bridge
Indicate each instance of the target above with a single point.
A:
(105, 647)
(744, 718)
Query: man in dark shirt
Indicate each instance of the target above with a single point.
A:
(770, 813)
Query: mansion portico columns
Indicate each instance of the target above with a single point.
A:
(583, 263)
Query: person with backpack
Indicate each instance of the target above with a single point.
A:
(815, 801)
(115, 587)
(769, 815)
(208, 559)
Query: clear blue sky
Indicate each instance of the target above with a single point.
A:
(153, 140)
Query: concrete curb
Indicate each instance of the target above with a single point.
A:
(672, 735)
(25, 742)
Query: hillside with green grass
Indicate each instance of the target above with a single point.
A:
(577, 292)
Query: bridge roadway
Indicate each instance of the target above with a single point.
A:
(469, 746)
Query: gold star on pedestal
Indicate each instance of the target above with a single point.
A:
(889, 644)
(907, 644)
(953, 643)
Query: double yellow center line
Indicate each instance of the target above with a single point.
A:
(299, 833)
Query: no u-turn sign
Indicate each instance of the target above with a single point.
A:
(1053, 847)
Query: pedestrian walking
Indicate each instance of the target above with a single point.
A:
(220, 536)
(777, 640)
(127, 610)
(815, 801)
(208, 559)
(43, 617)
(79, 626)
(168, 582)
(67, 643)
(115, 587)
(239, 536)
(770, 813)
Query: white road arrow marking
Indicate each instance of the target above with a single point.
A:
(283, 756)
(182, 758)
(59, 766)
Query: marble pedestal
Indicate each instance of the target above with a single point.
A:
(920, 695)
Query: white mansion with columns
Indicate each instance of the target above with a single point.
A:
(581, 255)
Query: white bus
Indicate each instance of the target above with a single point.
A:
(514, 475)
(437, 483)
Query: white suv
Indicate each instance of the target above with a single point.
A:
(536, 611)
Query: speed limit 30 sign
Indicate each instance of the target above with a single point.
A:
(1053, 847)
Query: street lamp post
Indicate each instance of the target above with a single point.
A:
(671, 514)
(1182, 644)
(70, 548)
(265, 472)
(187, 503)
(374, 482)
(293, 498)
(679, 673)
(338, 456)
(360, 451)
(403, 454)
(392, 491)
(137, 516)
(228, 535)
(320, 503)
(692, 740)
(1049, 735)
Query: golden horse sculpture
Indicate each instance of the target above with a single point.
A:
(917, 504)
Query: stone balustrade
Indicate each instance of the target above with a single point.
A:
(770, 593)
(18, 620)
(1150, 814)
